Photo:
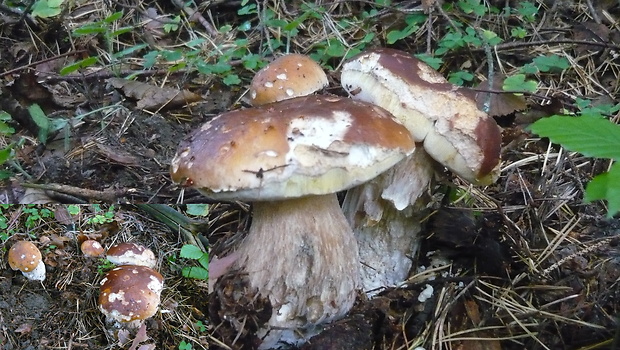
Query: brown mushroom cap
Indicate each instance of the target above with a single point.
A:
(130, 293)
(128, 253)
(92, 248)
(309, 145)
(286, 77)
(443, 116)
(26, 257)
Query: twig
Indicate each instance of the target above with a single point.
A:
(11, 71)
(516, 44)
(595, 16)
(193, 14)
(105, 195)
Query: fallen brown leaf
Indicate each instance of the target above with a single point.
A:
(152, 97)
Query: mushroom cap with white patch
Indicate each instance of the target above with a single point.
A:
(310, 145)
(26, 257)
(441, 115)
(128, 253)
(288, 76)
(130, 293)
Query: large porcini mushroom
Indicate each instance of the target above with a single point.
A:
(130, 294)
(288, 76)
(385, 214)
(290, 158)
(26, 257)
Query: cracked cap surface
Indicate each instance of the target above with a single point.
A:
(309, 145)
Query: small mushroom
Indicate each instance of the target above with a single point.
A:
(128, 253)
(290, 158)
(288, 76)
(91, 248)
(130, 293)
(26, 257)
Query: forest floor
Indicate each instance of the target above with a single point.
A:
(542, 270)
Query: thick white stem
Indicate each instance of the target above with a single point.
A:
(301, 254)
(385, 215)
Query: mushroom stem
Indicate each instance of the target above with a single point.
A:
(385, 215)
(315, 276)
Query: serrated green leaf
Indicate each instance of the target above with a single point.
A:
(190, 251)
(517, 83)
(593, 137)
(549, 62)
(231, 79)
(195, 272)
(434, 62)
(150, 59)
(606, 186)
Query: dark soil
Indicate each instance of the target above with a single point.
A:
(61, 312)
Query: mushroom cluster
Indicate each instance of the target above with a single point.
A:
(291, 153)
(130, 292)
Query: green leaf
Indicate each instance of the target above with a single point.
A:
(491, 37)
(204, 261)
(606, 186)
(198, 209)
(472, 6)
(93, 28)
(6, 153)
(113, 17)
(434, 62)
(129, 50)
(593, 137)
(247, 10)
(73, 209)
(41, 120)
(150, 59)
(195, 272)
(46, 8)
(119, 32)
(87, 62)
(185, 346)
(527, 10)
(518, 33)
(5, 116)
(517, 83)
(190, 251)
(5, 129)
(551, 62)
(395, 35)
(231, 79)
